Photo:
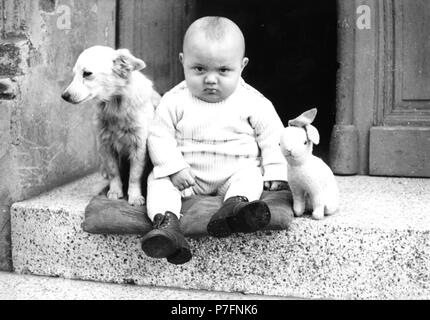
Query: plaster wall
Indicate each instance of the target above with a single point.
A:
(44, 142)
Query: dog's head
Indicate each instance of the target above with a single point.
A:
(100, 73)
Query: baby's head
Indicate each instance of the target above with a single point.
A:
(213, 58)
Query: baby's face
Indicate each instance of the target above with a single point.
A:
(212, 69)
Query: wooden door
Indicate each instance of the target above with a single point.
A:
(400, 137)
(153, 31)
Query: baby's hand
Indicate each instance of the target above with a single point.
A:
(183, 179)
(276, 185)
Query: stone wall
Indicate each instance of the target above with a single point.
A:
(44, 142)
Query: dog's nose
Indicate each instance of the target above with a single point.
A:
(66, 96)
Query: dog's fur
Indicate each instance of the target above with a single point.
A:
(126, 106)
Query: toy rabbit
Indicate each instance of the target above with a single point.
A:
(311, 181)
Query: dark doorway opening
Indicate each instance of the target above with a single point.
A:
(291, 45)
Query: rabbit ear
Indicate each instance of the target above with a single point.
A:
(312, 134)
(304, 119)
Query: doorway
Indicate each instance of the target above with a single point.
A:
(291, 45)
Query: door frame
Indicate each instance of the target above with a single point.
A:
(360, 84)
(369, 136)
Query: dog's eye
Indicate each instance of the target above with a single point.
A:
(306, 142)
(86, 74)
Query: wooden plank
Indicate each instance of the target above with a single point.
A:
(411, 65)
(416, 50)
(400, 146)
(400, 151)
(153, 31)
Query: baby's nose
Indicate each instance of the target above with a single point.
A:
(210, 79)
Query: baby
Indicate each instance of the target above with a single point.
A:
(213, 134)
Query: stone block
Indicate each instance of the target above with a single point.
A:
(376, 247)
(8, 88)
(399, 151)
(11, 59)
(343, 157)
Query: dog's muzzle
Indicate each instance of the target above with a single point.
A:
(66, 96)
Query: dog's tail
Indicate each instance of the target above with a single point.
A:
(101, 186)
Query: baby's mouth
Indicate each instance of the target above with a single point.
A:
(211, 90)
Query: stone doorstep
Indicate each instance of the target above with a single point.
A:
(376, 247)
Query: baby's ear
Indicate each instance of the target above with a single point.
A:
(312, 134)
(125, 62)
(245, 61)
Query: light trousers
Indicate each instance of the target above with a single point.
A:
(163, 196)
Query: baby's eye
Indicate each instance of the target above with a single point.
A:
(86, 74)
(199, 69)
(224, 70)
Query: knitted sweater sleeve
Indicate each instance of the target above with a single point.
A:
(268, 129)
(162, 146)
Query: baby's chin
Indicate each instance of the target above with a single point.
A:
(210, 97)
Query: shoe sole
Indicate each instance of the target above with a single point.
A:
(255, 216)
(158, 246)
(182, 256)
(219, 228)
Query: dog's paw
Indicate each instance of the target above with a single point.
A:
(114, 194)
(104, 174)
(136, 201)
(318, 214)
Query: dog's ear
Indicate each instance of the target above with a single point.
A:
(125, 62)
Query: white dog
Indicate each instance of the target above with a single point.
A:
(126, 106)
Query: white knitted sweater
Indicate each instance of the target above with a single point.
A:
(188, 132)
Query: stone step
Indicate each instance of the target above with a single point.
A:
(376, 247)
